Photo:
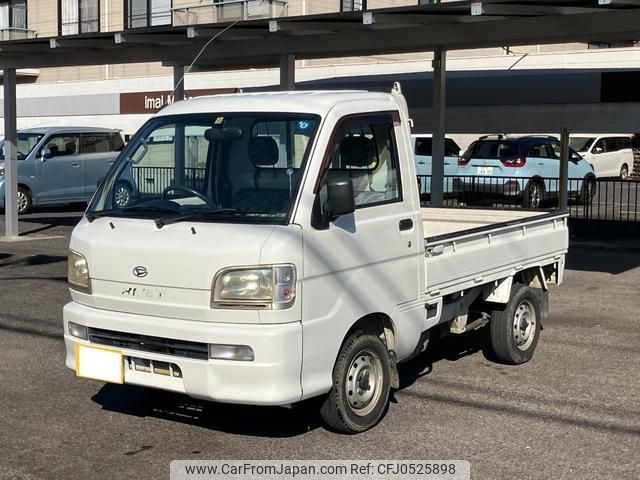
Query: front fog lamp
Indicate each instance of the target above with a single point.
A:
(243, 353)
(78, 272)
(78, 331)
(269, 287)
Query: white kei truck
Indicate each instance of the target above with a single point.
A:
(288, 257)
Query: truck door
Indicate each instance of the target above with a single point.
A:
(59, 177)
(367, 261)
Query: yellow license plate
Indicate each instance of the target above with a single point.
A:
(99, 363)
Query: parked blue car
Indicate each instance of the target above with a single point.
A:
(423, 158)
(523, 169)
(61, 164)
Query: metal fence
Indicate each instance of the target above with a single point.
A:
(595, 199)
(153, 181)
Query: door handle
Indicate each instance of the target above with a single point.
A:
(405, 224)
(422, 163)
(75, 164)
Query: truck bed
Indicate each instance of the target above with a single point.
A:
(468, 247)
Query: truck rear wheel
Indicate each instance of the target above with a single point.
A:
(361, 381)
(515, 330)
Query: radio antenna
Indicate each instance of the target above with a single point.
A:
(206, 45)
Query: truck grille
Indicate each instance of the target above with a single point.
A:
(145, 343)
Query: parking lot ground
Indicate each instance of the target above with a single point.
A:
(572, 412)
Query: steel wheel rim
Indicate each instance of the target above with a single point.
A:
(122, 197)
(363, 385)
(23, 201)
(535, 195)
(524, 325)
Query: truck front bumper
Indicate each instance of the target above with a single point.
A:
(272, 378)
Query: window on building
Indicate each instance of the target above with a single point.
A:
(146, 13)
(79, 16)
(353, 5)
(13, 14)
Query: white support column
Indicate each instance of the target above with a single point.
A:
(10, 154)
(437, 145)
(287, 72)
(563, 199)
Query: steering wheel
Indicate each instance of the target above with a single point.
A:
(193, 192)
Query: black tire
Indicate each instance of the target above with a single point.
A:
(515, 330)
(24, 200)
(533, 195)
(624, 172)
(123, 195)
(345, 410)
(587, 192)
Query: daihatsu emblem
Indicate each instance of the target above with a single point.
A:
(140, 271)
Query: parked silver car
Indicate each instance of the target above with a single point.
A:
(61, 164)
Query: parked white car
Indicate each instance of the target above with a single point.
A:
(302, 264)
(422, 144)
(610, 155)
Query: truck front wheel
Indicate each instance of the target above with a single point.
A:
(515, 330)
(361, 378)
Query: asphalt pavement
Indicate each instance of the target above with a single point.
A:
(573, 412)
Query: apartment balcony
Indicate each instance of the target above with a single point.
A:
(13, 33)
(228, 11)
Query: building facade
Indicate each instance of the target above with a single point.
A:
(125, 95)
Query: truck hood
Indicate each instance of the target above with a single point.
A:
(137, 268)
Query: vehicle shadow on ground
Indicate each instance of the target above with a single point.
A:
(269, 421)
(450, 348)
(603, 257)
(228, 418)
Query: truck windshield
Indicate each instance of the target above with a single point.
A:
(26, 143)
(231, 167)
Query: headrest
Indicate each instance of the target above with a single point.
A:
(263, 151)
(70, 147)
(53, 148)
(357, 152)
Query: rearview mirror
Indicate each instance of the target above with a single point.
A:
(223, 134)
(340, 196)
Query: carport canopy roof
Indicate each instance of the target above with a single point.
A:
(454, 25)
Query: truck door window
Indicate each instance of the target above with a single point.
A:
(364, 149)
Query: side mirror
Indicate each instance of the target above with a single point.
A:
(340, 196)
(45, 154)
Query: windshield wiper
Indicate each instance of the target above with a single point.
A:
(91, 216)
(161, 222)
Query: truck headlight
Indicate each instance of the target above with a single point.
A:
(78, 272)
(264, 287)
